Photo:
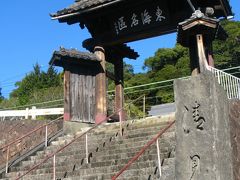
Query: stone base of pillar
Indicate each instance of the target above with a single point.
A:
(66, 117)
(100, 118)
(116, 118)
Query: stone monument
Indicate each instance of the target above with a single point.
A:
(203, 146)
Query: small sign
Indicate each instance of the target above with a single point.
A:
(141, 18)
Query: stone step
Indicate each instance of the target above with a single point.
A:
(107, 134)
(109, 152)
(129, 132)
(127, 152)
(122, 162)
(35, 177)
(93, 165)
(150, 121)
(129, 127)
(125, 136)
(120, 143)
(63, 141)
(63, 137)
(141, 166)
(112, 145)
(166, 153)
(106, 152)
(89, 170)
(131, 174)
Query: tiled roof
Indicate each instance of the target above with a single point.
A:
(80, 5)
(199, 25)
(72, 56)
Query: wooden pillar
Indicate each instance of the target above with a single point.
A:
(194, 65)
(210, 54)
(119, 87)
(67, 103)
(198, 55)
(201, 53)
(101, 87)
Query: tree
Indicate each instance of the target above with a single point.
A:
(35, 81)
(227, 53)
(127, 74)
(1, 96)
(165, 56)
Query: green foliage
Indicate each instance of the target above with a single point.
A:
(167, 63)
(127, 73)
(165, 56)
(35, 82)
(8, 103)
(47, 95)
(1, 97)
(133, 111)
(227, 53)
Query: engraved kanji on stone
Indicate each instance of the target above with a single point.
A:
(159, 15)
(195, 160)
(134, 20)
(196, 116)
(120, 25)
(146, 18)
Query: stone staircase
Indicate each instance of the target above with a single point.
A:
(108, 151)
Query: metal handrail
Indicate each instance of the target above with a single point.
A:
(29, 133)
(230, 83)
(68, 144)
(24, 136)
(155, 139)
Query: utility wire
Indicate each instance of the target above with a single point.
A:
(170, 80)
(52, 106)
(133, 87)
(160, 87)
(154, 83)
(20, 75)
(128, 88)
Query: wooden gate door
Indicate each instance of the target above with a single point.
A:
(82, 94)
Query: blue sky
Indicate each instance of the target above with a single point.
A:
(28, 35)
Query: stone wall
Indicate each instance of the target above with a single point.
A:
(234, 115)
(12, 130)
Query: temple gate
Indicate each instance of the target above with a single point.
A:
(115, 22)
(112, 23)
